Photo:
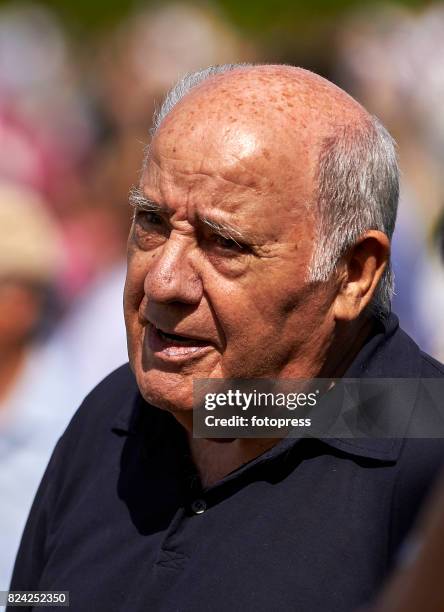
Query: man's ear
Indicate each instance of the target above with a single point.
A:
(359, 273)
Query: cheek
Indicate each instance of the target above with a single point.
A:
(134, 283)
(132, 297)
(261, 311)
(248, 315)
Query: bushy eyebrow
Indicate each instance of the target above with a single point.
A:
(138, 201)
(224, 230)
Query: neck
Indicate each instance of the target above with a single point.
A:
(347, 342)
(216, 458)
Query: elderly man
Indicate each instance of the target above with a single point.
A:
(259, 249)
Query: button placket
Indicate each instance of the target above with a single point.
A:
(198, 506)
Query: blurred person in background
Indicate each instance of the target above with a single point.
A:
(35, 383)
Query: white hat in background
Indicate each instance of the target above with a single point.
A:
(30, 243)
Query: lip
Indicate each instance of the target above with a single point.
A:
(169, 350)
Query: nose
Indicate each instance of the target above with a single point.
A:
(171, 276)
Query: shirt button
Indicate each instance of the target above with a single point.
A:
(198, 506)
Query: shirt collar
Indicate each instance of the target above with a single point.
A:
(126, 419)
(389, 353)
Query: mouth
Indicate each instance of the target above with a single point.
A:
(175, 347)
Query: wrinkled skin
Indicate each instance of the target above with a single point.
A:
(242, 150)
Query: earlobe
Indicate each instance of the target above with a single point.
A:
(347, 303)
(360, 271)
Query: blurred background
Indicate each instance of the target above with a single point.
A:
(79, 81)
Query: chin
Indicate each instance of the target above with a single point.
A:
(168, 392)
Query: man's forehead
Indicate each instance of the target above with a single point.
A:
(255, 216)
(233, 155)
(227, 161)
(242, 178)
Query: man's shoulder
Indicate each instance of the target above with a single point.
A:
(114, 388)
(90, 438)
(399, 356)
(431, 367)
(109, 399)
(119, 382)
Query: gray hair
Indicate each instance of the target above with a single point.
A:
(358, 187)
(358, 190)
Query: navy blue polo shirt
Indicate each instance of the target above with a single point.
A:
(122, 522)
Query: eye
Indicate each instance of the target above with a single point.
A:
(228, 243)
(150, 229)
(147, 218)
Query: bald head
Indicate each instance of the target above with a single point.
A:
(267, 97)
(271, 114)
